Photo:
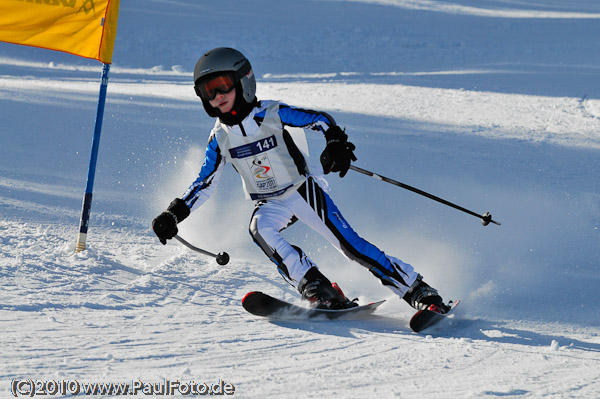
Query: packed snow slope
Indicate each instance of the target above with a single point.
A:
(491, 104)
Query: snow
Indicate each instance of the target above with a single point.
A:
(491, 104)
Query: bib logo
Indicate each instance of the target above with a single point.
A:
(262, 173)
(87, 6)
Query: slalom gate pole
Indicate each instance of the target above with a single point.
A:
(222, 258)
(87, 197)
(486, 218)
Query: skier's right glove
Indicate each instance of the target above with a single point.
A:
(338, 153)
(165, 224)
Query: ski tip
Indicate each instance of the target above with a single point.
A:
(250, 294)
(424, 318)
(376, 304)
(454, 303)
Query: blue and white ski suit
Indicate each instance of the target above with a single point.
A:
(275, 175)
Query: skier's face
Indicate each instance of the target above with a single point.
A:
(223, 101)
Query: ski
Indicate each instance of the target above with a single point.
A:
(261, 304)
(424, 319)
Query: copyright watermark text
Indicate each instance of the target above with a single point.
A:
(31, 388)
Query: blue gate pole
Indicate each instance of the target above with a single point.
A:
(87, 198)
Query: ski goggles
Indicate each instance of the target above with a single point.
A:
(208, 89)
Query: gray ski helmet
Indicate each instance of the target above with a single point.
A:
(225, 59)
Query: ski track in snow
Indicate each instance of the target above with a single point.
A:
(487, 103)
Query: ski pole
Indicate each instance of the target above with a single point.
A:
(222, 258)
(486, 218)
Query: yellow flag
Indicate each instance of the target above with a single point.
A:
(82, 27)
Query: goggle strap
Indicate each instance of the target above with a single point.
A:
(243, 71)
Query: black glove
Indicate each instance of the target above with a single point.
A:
(338, 152)
(165, 224)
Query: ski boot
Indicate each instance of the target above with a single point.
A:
(321, 293)
(422, 296)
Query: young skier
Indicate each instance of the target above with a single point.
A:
(251, 135)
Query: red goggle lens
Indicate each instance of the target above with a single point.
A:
(221, 84)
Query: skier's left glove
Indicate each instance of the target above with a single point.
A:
(338, 153)
(165, 224)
